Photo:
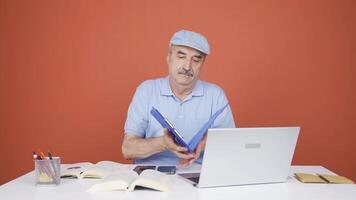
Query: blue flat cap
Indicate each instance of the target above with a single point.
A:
(191, 39)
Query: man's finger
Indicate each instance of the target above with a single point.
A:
(198, 151)
(183, 155)
(180, 149)
(185, 162)
(191, 161)
(166, 133)
(172, 144)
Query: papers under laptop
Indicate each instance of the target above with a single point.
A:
(241, 156)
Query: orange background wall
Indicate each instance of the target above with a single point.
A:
(70, 68)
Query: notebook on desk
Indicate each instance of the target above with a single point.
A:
(240, 156)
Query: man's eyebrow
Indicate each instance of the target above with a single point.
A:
(181, 52)
(198, 56)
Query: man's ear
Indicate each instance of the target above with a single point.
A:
(204, 59)
(168, 56)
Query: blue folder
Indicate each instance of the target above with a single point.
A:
(192, 145)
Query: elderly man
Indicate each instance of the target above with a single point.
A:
(181, 97)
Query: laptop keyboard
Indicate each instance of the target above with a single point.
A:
(194, 177)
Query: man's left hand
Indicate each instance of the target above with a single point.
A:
(200, 148)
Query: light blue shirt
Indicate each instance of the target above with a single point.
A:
(188, 116)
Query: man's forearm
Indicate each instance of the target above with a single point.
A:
(138, 148)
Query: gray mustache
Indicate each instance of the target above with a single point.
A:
(186, 72)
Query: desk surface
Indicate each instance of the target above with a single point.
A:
(24, 188)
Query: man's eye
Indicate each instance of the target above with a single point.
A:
(180, 56)
(196, 60)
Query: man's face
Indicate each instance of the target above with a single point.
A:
(184, 64)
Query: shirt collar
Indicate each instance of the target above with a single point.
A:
(166, 90)
(198, 89)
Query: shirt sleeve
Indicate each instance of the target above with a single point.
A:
(225, 119)
(137, 114)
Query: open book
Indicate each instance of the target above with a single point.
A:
(89, 170)
(194, 142)
(127, 180)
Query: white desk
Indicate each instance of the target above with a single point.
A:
(24, 188)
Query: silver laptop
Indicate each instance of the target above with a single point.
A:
(240, 156)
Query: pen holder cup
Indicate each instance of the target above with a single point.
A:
(48, 171)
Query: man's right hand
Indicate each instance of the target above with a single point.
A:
(169, 144)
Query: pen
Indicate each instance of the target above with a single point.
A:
(41, 154)
(47, 167)
(34, 155)
(55, 170)
(40, 167)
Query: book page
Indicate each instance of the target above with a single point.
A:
(102, 169)
(74, 170)
(109, 165)
(120, 180)
(151, 179)
(309, 178)
(336, 179)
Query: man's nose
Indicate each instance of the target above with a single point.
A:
(187, 65)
